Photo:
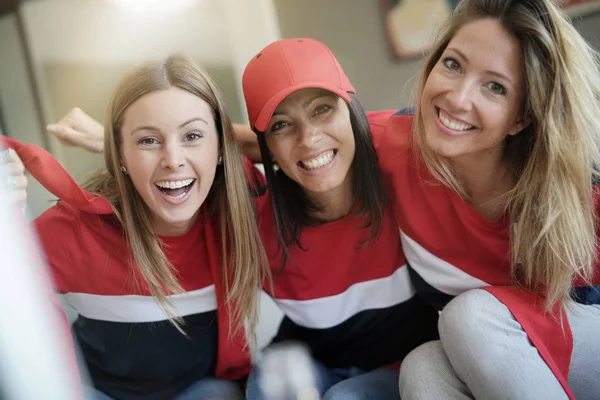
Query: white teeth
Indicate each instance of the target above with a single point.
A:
(320, 161)
(457, 126)
(174, 184)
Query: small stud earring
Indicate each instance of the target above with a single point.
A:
(123, 169)
(220, 160)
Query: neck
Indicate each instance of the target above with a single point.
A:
(333, 204)
(486, 179)
(165, 229)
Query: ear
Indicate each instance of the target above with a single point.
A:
(519, 126)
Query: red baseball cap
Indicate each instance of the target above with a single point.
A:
(284, 67)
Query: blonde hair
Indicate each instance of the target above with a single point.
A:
(243, 255)
(553, 159)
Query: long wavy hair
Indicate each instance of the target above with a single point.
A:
(554, 158)
(244, 260)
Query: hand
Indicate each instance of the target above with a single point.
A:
(12, 178)
(78, 129)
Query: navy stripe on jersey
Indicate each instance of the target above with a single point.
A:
(438, 273)
(427, 292)
(369, 339)
(438, 281)
(146, 368)
(133, 308)
(136, 329)
(327, 312)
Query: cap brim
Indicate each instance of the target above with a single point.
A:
(262, 122)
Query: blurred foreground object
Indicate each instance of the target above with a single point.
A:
(35, 352)
(286, 373)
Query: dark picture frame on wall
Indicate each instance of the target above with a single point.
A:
(410, 24)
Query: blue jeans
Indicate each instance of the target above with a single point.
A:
(205, 389)
(342, 384)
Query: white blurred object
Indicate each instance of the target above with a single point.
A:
(34, 351)
(286, 372)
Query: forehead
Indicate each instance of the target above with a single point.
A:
(300, 97)
(173, 104)
(487, 44)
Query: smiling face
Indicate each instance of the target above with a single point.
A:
(170, 147)
(310, 136)
(473, 96)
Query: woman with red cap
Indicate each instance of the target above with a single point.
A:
(339, 271)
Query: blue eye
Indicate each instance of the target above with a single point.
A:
(497, 88)
(451, 64)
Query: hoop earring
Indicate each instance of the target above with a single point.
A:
(220, 160)
(123, 169)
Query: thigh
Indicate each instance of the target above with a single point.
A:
(584, 374)
(381, 384)
(212, 388)
(324, 378)
(426, 373)
(491, 353)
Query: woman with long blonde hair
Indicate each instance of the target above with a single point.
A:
(160, 254)
(493, 179)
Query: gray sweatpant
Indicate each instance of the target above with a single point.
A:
(485, 354)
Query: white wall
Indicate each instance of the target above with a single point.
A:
(104, 31)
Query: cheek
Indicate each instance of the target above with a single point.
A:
(139, 164)
(279, 149)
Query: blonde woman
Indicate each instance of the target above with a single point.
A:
(149, 254)
(495, 187)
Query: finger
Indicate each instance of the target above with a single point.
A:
(14, 167)
(15, 161)
(20, 183)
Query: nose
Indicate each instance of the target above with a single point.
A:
(461, 96)
(309, 135)
(172, 156)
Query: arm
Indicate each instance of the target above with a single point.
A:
(78, 129)
(247, 140)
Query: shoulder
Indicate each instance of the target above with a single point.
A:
(64, 229)
(59, 220)
(395, 141)
(381, 121)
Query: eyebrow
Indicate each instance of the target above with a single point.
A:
(153, 128)
(495, 73)
(308, 102)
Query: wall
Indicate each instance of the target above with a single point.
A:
(20, 118)
(354, 31)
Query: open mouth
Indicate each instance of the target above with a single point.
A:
(320, 161)
(175, 189)
(451, 123)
